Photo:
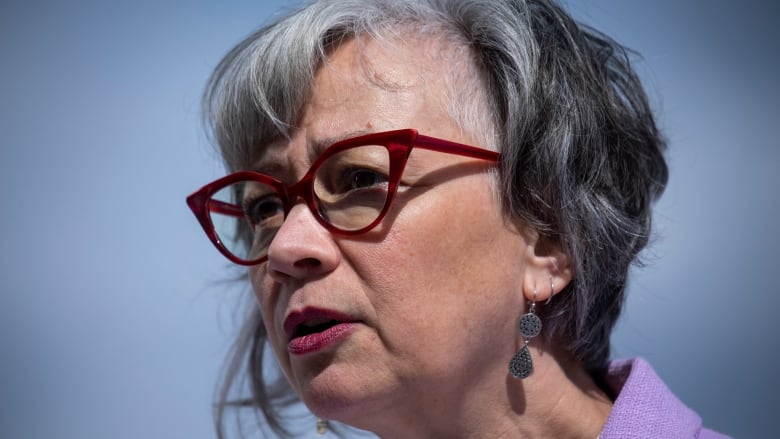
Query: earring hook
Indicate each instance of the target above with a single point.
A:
(552, 292)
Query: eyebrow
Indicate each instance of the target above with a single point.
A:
(320, 145)
(272, 164)
(268, 164)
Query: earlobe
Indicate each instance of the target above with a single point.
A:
(548, 269)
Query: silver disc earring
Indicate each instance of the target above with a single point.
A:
(521, 364)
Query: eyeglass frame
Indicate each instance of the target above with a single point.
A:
(399, 145)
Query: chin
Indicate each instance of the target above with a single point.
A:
(343, 397)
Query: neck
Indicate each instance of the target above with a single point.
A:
(568, 401)
(559, 399)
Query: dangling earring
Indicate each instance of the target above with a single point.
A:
(322, 426)
(521, 364)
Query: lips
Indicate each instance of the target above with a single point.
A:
(313, 329)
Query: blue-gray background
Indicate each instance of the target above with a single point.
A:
(113, 323)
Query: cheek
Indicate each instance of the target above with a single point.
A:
(445, 261)
(264, 296)
(458, 238)
(435, 307)
(267, 296)
(257, 279)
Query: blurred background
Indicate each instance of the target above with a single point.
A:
(114, 317)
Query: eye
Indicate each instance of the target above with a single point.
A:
(361, 178)
(260, 209)
(361, 171)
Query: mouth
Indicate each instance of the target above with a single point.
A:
(313, 326)
(312, 321)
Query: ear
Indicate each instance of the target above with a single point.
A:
(548, 268)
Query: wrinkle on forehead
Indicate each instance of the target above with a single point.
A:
(388, 78)
(441, 62)
(368, 50)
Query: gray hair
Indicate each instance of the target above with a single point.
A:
(582, 158)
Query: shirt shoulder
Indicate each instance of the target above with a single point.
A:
(646, 408)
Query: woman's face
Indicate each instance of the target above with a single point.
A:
(388, 324)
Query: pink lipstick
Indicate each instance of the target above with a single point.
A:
(314, 329)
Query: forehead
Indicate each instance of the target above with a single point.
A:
(382, 79)
(364, 86)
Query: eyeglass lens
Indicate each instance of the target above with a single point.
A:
(349, 188)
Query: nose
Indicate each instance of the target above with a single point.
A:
(302, 248)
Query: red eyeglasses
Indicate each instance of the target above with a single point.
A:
(349, 189)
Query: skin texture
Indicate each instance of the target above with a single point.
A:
(437, 288)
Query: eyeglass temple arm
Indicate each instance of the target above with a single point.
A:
(217, 206)
(449, 147)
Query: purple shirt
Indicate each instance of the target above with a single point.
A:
(646, 408)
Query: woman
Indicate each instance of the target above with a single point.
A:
(438, 203)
